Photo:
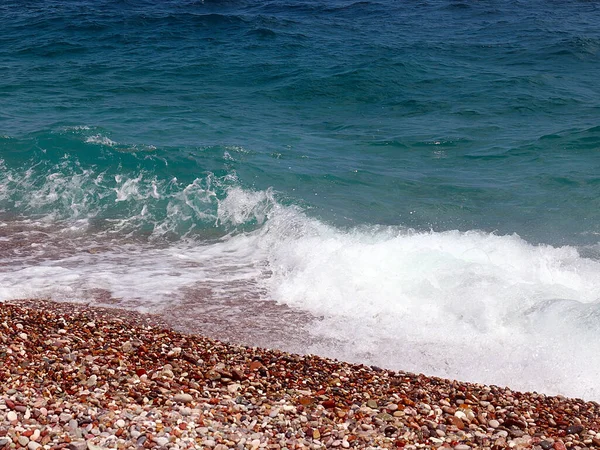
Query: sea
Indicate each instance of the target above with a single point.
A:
(413, 185)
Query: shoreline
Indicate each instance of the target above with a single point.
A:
(78, 376)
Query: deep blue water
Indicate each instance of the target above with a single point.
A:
(313, 138)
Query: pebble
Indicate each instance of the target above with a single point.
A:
(161, 440)
(183, 398)
(233, 388)
(493, 423)
(127, 385)
(73, 425)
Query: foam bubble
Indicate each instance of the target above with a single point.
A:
(100, 139)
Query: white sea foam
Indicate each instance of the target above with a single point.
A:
(101, 140)
(474, 306)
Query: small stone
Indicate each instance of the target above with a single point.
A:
(457, 422)
(559, 445)
(3, 442)
(385, 417)
(33, 445)
(23, 441)
(213, 375)
(78, 445)
(493, 423)
(233, 388)
(305, 401)
(175, 351)
(462, 447)
(183, 398)
(127, 347)
(461, 415)
(161, 440)
(389, 430)
(11, 416)
(372, 404)
(237, 374)
(255, 365)
(92, 380)
(120, 423)
(574, 429)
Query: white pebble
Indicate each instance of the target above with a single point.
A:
(461, 415)
(161, 441)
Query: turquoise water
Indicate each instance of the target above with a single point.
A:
(420, 178)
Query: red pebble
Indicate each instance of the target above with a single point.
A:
(140, 372)
(27, 433)
(328, 403)
(255, 365)
(558, 445)
(183, 426)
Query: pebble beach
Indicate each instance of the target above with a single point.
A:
(80, 377)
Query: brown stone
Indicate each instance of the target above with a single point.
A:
(457, 422)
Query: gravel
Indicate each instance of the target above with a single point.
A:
(83, 378)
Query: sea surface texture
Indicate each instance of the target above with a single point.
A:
(409, 184)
